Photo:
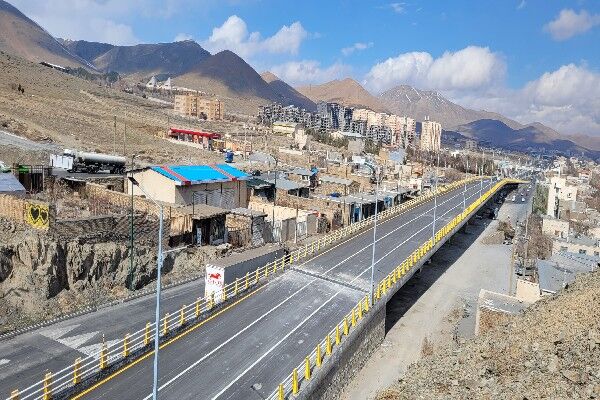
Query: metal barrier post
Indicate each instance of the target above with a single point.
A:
(353, 318)
(126, 345)
(346, 326)
(166, 324)
(197, 311)
(77, 371)
(318, 355)
(147, 334)
(224, 294)
(307, 368)
(327, 345)
(295, 381)
(14, 395)
(280, 390)
(47, 386)
(247, 279)
(366, 303)
(181, 316)
(103, 357)
(338, 339)
(256, 277)
(235, 291)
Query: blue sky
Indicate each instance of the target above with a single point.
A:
(531, 60)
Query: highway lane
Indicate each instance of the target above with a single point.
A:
(247, 350)
(55, 347)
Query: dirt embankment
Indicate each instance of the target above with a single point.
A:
(42, 277)
(552, 351)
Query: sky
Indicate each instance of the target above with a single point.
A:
(531, 60)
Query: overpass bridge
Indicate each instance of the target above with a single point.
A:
(269, 335)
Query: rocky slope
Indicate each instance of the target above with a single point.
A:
(552, 351)
(287, 94)
(43, 276)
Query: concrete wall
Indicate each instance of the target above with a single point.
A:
(328, 382)
(22, 211)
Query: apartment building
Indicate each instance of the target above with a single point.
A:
(431, 135)
(199, 106)
(559, 191)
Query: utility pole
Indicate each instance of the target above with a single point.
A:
(115, 135)
(130, 274)
(125, 132)
(275, 199)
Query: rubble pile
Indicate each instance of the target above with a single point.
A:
(552, 351)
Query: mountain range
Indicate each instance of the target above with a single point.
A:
(243, 89)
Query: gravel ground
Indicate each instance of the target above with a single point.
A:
(438, 305)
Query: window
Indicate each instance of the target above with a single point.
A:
(596, 253)
(563, 248)
(582, 251)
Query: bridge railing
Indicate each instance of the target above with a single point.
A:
(324, 350)
(113, 354)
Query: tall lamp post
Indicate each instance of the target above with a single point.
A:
(465, 187)
(159, 263)
(376, 173)
(130, 274)
(435, 196)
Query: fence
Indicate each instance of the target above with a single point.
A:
(324, 349)
(83, 370)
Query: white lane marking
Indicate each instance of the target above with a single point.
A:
(276, 345)
(94, 349)
(77, 341)
(389, 233)
(314, 312)
(219, 347)
(193, 365)
(3, 361)
(57, 332)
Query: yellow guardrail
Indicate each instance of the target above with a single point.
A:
(131, 344)
(292, 384)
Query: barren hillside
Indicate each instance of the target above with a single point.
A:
(78, 114)
(552, 351)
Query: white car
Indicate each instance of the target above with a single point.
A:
(522, 199)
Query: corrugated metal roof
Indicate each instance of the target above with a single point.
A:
(197, 174)
(10, 184)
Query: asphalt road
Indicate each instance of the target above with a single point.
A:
(247, 350)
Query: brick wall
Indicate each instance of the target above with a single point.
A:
(19, 210)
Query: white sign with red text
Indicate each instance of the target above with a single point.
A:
(214, 283)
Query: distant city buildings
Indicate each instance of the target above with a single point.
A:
(199, 106)
(379, 127)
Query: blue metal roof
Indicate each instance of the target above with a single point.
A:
(196, 174)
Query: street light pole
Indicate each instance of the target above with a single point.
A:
(465, 187)
(374, 236)
(159, 264)
(435, 197)
(130, 274)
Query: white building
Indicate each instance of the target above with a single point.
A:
(431, 135)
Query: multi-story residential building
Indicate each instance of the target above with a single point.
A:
(431, 135)
(358, 126)
(199, 106)
(559, 191)
(380, 133)
(331, 112)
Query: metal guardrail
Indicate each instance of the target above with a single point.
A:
(323, 351)
(140, 342)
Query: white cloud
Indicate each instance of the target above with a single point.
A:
(397, 7)
(93, 20)
(569, 24)
(234, 35)
(309, 71)
(471, 68)
(180, 37)
(358, 46)
(565, 99)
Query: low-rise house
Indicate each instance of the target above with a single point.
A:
(285, 186)
(217, 185)
(247, 227)
(579, 244)
(555, 227)
(304, 175)
(9, 184)
(329, 184)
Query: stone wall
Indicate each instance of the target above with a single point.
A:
(348, 359)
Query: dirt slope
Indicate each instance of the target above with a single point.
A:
(552, 351)
(346, 91)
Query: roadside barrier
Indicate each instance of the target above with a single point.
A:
(141, 341)
(292, 384)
